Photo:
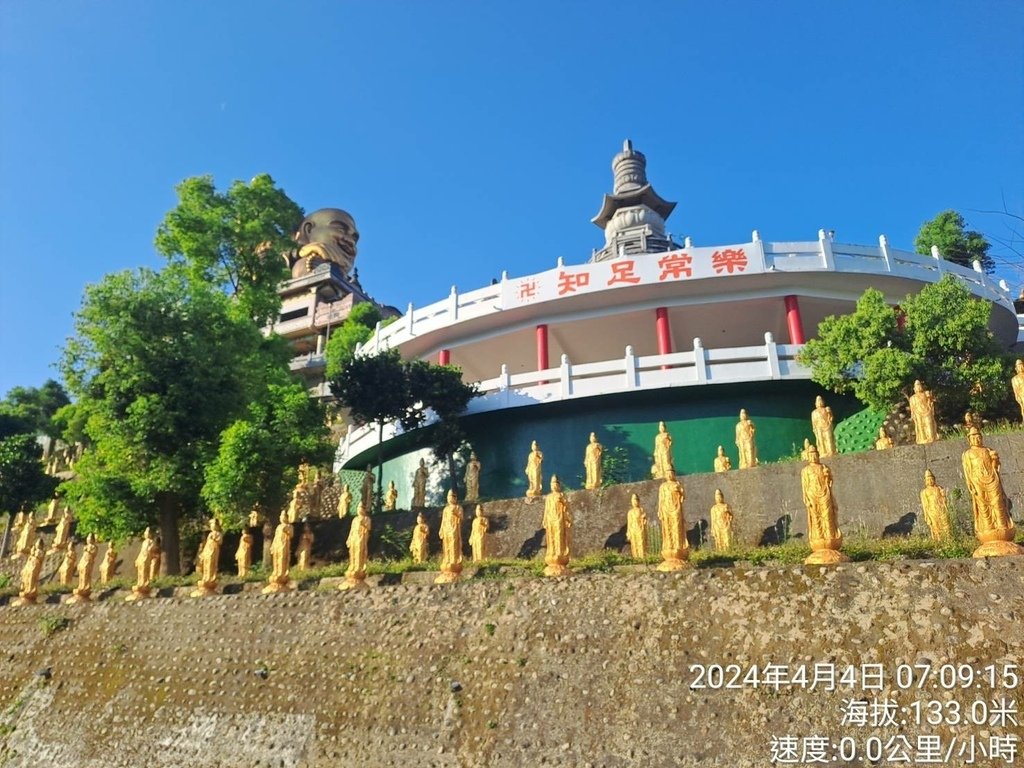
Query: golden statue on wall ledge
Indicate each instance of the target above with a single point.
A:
(922, 411)
(534, 472)
(636, 529)
(143, 567)
(592, 463)
(108, 568)
(304, 553)
(992, 523)
(884, 442)
(419, 547)
(450, 533)
(721, 522)
(472, 478)
(344, 501)
(63, 533)
(391, 497)
(280, 557)
(27, 536)
(1017, 383)
(83, 591)
(933, 504)
(243, 555)
(823, 532)
(557, 530)
(358, 543)
(209, 558)
(366, 492)
(663, 461)
(745, 441)
(823, 426)
(419, 486)
(66, 572)
(805, 452)
(30, 573)
(675, 549)
(478, 536)
(722, 462)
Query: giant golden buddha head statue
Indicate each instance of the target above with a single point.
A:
(328, 234)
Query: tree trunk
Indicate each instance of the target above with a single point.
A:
(167, 504)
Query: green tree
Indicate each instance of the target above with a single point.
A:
(36, 406)
(258, 454)
(440, 389)
(353, 331)
(22, 479)
(942, 339)
(235, 239)
(956, 243)
(160, 365)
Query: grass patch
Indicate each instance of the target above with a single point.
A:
(53, 623)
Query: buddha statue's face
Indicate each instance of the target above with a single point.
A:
(420, 519)
(819, 402)
(743, 414)
(533, 446)
(721, 451)
(661, 426)
(479, 511)
(634, 500)
(334, 229)
(719, 498)
(556, 484)
(812, 455)
(974, 438)
(1019, 366)
(929, 479)
(918, 386)
(452, 498)
(593, 437)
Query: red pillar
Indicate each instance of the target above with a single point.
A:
(444, 357)
(793, 320)
(542, 347)
(664, 332)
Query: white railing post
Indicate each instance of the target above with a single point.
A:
(825, 245)
(772, 352)
(883, 244)
(566, 375)
(453, 304)
(977, 267)
(629, 361)
(938, 258)
(376, 338)
(1005, 288)
(687, 242)
(700, 360)
(504, 380)
(755, 236)
(409, 320)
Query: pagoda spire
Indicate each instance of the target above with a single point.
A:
(633, 216)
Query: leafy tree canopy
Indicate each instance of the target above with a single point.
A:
(353, 331)
(943, 340)
(22, 479)
(956, 243)
(235, 239)
(31, 409)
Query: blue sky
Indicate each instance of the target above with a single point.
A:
(471, 137)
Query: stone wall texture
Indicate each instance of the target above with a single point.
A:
(590, 670)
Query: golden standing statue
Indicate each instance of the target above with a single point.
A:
(243, 555)
(721, 522)
(592, 463)
(1017, 382)
(722, 462)
(822, 513)
(472, 478)
(557, 530)
(823, 425)
(420, 545)
(26, 537)
(745, 441)
(933, 504)
(156, 555)
(254, 518)
(884, 442)
(675, 549)
(30, 573)
(280, 556)
(85, 569)
(344, 501)
(358, 543)
(450, 534)
(636, 528)
(108, 568)
(535, 472)
(63, 534)
(304, 553)
(478, 536)
(419, 486)
(391, 497)
(805, 452)
(992, 523)
(141, 588)
(51, 511)
(922, 411)
(662, 453)
(66, 572)
(209, 558)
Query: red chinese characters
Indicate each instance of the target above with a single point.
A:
(729, 260)
(569, 282)
(675, 266)
(528, 290)
(623, 272)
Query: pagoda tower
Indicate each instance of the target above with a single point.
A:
(633, 216)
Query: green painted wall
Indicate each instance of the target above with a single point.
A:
(699, 419)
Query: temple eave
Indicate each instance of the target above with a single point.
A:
(643, 196)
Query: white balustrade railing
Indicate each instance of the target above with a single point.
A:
(789, 257)
(699, 366)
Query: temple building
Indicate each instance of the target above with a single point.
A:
(647, 330)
